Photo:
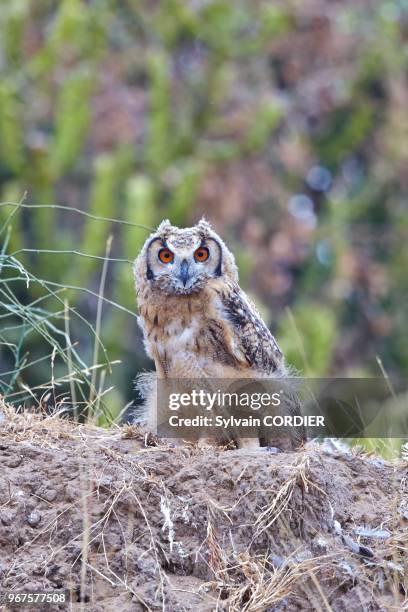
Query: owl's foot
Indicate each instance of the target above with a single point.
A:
(248, 443)
(206, 442)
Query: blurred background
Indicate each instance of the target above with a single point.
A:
(284, 123)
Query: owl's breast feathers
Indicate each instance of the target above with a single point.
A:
(214, 332)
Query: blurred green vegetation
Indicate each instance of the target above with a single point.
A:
(285, 124)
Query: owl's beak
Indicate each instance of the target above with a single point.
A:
(184, 272)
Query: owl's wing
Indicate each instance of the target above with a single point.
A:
(250, 340)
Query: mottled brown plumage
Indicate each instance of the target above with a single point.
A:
(196, 320)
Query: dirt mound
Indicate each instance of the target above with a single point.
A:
(134, 525)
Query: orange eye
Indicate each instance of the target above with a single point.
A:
(166, 256)
(201, 254)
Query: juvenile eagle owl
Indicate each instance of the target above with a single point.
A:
(197, 322)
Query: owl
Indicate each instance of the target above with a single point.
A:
(196, 320)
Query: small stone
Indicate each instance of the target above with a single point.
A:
(14, 461)
(70, 493)
(34, 518)
(49, 495)
(6, 518)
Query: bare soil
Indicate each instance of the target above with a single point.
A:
(127, 523)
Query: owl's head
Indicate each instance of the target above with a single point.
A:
(180, 261)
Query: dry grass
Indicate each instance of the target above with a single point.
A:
(119, 495)
(50, 429)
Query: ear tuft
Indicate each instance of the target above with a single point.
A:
(203, 224)
(165, 224)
